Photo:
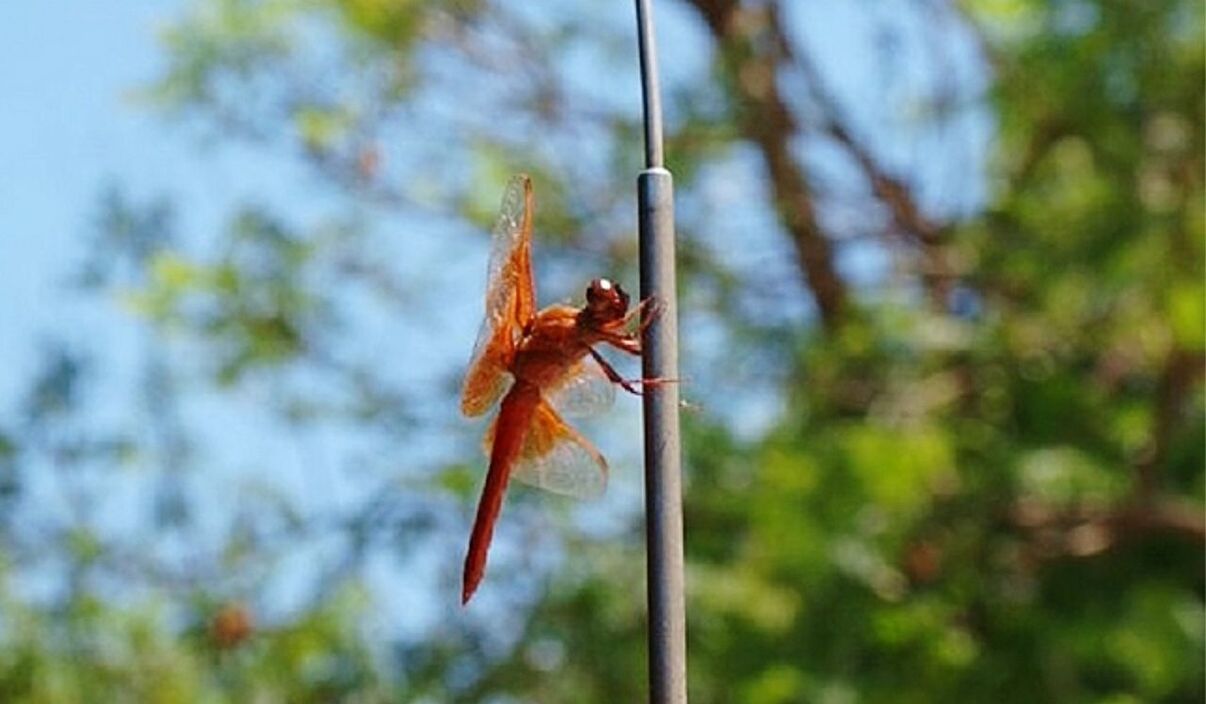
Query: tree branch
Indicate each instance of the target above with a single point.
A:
(893, 192)
(750, 59)
(1181, 372)
(1085, 530)
(907, 216)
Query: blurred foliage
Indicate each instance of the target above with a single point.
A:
(93, 651)
(985, 480)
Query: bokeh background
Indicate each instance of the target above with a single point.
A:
(942, 315)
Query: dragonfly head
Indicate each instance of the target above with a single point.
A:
(606, 301)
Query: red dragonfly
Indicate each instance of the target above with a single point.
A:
(545, 363)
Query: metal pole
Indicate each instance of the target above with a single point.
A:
(663, 471)
(651, 92)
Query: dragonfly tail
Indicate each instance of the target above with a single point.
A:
(514, 417)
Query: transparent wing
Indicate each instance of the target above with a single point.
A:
(510, 300)
(585, 390)
(556, 458)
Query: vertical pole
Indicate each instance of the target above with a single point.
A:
(663, 471)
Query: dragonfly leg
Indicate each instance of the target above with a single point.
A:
(649, 310)
(656, 308)
(612, 375)
(629, 385)
(627, 342)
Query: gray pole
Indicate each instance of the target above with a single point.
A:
(663, 471)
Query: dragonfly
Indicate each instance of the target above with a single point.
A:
(544, 366)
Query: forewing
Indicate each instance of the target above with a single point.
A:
(510, 300)
(584, 390)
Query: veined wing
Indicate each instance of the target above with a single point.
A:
(510, 300)
(585, 390)
(556, 458)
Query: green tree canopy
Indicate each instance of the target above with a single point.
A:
(947, 441)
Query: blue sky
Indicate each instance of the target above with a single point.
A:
(71, 73)
(63, 132)
(73, 125)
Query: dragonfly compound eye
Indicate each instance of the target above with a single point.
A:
(599, 291)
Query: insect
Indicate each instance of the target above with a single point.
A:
(546, 364)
